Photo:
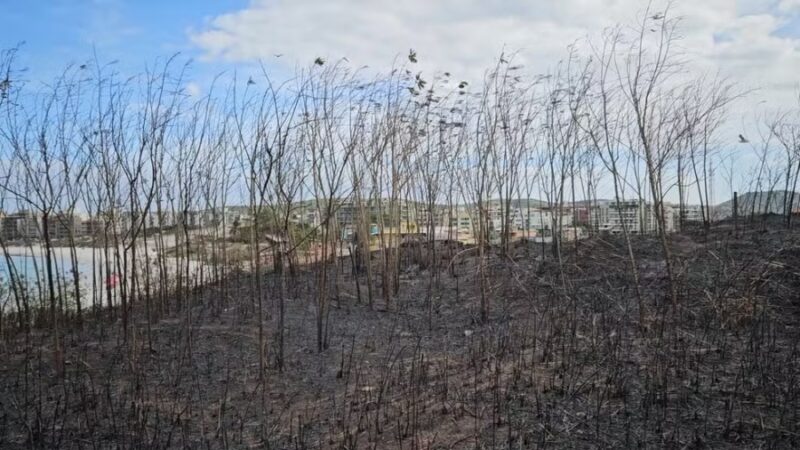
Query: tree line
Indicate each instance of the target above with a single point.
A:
(622, 114)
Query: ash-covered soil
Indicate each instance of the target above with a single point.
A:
(513, 351)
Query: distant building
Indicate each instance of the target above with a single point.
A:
(393, 212)
(515, 217)
(63, 225)
(689, 214)
(306, 216)
(538, 219)
(190, 219)
(569, 234)
(92, 227)
(20, 225)
(461, 220)
(637, 216)
(591, 215)
(118, 220)
(439, 217)
(156, 220)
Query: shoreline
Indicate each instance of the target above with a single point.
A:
(91, 266)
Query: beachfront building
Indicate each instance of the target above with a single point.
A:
(63, 225)
(118, 221)
(572, 233)
(27, 225)
(498, 217)
(591, 215)
(462, 219)
(157, 220)
(540, 219)
(639, 217)
(391, 215)
(438, 217)
(20, 225)
(217, 218)
(692, 214)
(306, 215)
(92, 226)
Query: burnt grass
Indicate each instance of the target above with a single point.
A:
(565, 358)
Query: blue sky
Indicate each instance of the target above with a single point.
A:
(739, 38)
(755, 43)
(59, 32)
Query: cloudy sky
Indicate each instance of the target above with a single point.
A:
(755, 42)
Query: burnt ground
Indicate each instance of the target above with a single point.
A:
(568, 356)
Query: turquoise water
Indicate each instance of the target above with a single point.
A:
(29, 267)
(26, 267)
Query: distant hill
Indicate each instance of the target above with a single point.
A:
(772, 202)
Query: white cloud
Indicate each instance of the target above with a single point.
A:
(736, 38)
(193, 89)
(789, 5)
(461, 36)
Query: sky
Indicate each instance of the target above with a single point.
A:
(756, 43)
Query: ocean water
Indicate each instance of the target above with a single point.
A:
(27, 262)
(26, 268)
(27, 265)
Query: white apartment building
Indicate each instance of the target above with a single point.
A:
(461, 219)
(638, 217)
(21, 225)
(542, 219)
(693, 214)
